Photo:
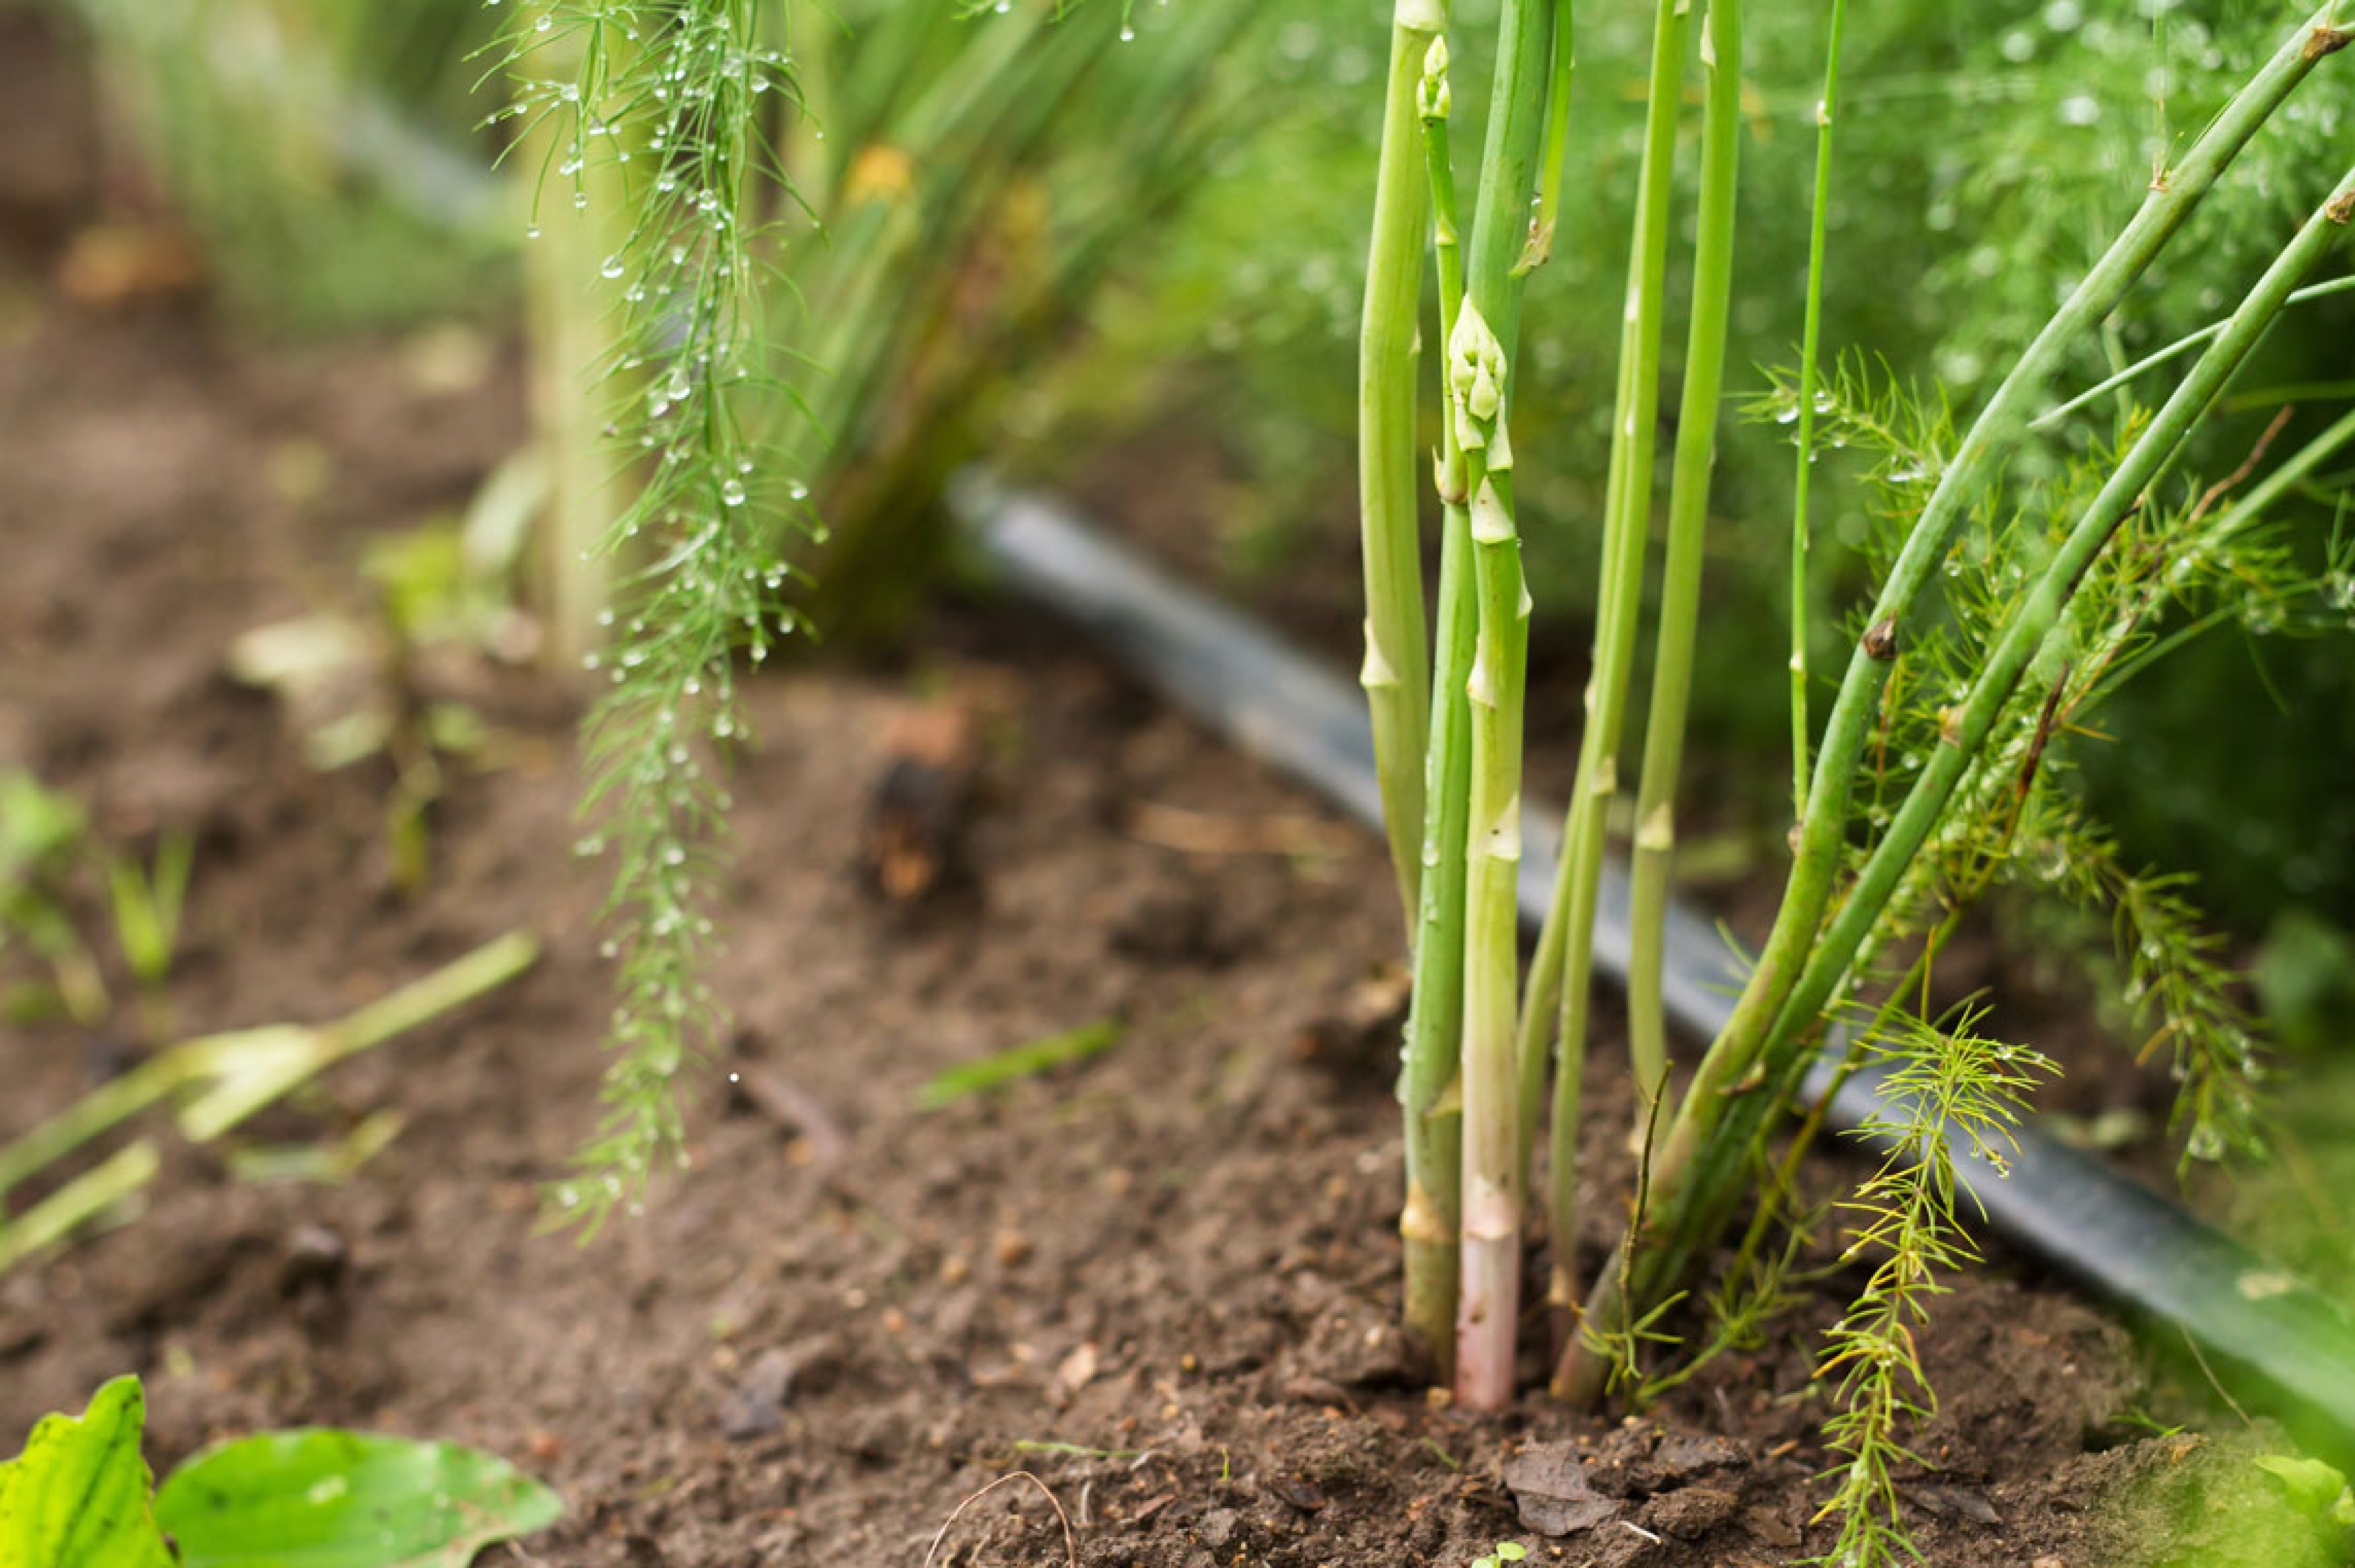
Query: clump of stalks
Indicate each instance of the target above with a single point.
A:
(2007, 609)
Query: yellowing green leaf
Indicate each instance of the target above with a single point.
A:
(77, 1496)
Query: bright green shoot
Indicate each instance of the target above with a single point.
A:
(147, 904)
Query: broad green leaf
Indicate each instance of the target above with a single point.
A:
(320, 1498)
(77, 1496)
(2312, 1485)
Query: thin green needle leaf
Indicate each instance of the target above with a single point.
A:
(1025, 1060)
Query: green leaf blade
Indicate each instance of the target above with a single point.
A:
(322, 1497)
(77, 1496)
(1020, 1062)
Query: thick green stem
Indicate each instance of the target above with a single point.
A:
(1735, 1051)
(1810, 348)
(1479, 351)
(1429, 1223)
(1489, 1308)
(1543, 222)
(1696, 458)
(1540, 993)
(1626, 522)
(1396, 651)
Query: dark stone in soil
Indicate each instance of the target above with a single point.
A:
(1691, 1513)
(755, 1407)
(1555, 1494)
(316, 1259)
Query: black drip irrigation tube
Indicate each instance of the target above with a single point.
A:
(2276, 1338)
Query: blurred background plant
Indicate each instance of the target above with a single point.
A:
(324, 154)
(59, 883)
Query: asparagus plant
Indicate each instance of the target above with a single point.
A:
(1627, 532)
(2002, 661)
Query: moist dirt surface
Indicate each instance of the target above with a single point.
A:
(1137, 1311)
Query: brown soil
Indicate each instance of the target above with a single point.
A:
(1162, 1283)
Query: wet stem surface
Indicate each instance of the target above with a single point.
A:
(1162, 1280)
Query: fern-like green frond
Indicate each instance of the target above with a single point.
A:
(678, 92)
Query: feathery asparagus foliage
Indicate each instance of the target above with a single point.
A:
(2024, 823)
(677, 92)
(1949, 1088)
(922, 146)
(1627, 528)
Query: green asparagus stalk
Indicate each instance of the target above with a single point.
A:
(1479, 360)
(1396, 654)
(1735, 1053)
(1430, 1225)
(1696, 457)
(1810, 349)
(1543, 989)
(1626, 523)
